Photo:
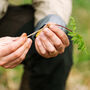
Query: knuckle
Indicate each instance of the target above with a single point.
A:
(11, 48)
(52, 50)
(18, 60)
(22, 58)
(2, 63)
(51, 35)
(44, 53)
(60, 48)
(62, 51)
(17, 55)
(58, 44)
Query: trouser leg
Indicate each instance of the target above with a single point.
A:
(47, 74)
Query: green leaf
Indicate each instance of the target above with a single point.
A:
(76, 38)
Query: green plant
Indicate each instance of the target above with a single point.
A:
(76, 37)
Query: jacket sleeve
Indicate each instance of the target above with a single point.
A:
(57, 11)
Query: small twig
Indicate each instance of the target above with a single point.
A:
(33, 33)
(42, 29)
(64, 27)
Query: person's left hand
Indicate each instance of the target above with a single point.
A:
(51, 41)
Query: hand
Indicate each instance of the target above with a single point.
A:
(51, 41)
(13, 50)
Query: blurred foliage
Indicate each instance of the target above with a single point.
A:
(10, 78)
(85, 4)
(81, 12)
(19, 2)
(76, 37)
(79, 78)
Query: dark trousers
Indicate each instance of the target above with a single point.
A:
(39, 73)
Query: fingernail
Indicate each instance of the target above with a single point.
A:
(29, 40)
(51, 26)
(46, 30)
(24, 35)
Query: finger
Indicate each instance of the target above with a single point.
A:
(61, 34)
(55, 40)
(16, 62)
(13, 46)
(61, 50)
(11, 38)
(17, 54)
(14, 38)
(40, 48)
(47, 44)
(7, 40)
(47, 54)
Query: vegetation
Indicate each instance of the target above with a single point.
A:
(79, 78)
(76, 37)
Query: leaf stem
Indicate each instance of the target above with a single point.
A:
(63, 27)
(41, 29)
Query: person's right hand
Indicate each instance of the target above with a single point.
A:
(13, 50)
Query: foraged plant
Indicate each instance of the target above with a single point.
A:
(76, 38)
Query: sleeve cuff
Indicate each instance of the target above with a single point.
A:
(51, 18)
